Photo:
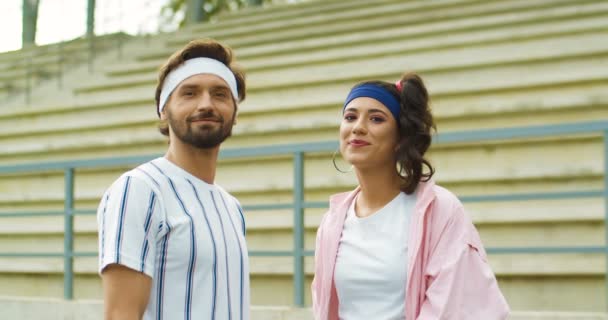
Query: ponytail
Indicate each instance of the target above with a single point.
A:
(416, 127)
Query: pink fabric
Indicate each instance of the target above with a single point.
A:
(448, 276)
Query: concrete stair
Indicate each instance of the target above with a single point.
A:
(52, 309)
(28, 68)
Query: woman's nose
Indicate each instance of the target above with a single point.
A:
(359, 127)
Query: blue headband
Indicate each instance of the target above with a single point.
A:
(378, 93)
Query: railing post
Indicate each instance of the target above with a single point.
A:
(91, 32)
(60, 65)
(90, 18)
(91, 55)
(68, 236)
(28, 78)
(195, 11)
(119, 45)
(298, 229)
(606, 216)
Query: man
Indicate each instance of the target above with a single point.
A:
(171, 242)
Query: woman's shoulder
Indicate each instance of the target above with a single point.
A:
(445, 197)
(453, 222)
(446, 207)
(338, 203)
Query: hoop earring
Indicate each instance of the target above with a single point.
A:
(333, 160)
(400, 171)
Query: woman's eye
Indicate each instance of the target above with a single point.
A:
(188, 93)
(349, 117)
(377, 119)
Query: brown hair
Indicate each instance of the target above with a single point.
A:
(416, 126)
(207, 48)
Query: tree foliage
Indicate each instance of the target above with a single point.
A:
(174, 12)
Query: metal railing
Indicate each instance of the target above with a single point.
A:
(299, 203)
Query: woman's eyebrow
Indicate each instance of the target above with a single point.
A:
(376, 110)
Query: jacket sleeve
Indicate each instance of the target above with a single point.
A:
(315, 287)
(460, 282)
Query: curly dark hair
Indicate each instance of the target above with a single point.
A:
(416, 126)
(207, 48)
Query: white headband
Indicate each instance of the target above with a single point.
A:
(193, 67)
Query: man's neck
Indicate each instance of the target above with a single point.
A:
(200, 163)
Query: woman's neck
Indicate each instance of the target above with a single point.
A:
(378, 187)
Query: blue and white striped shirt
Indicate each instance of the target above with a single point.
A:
(186, 234)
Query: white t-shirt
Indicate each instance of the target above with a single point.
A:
(371, 266)
(186, 234)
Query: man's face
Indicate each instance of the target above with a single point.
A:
(201, 111)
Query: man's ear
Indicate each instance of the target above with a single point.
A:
(236, 113)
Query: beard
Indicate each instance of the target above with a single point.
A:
(202, 136)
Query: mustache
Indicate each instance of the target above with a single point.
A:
(209, 116)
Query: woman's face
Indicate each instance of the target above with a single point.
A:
(368, 134)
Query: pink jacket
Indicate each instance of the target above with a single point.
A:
(448, 276)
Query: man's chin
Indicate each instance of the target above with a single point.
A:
(208, 142)
(206, 127)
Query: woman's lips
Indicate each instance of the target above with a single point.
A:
(358, 143)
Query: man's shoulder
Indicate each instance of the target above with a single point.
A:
(148, 173)
(227, 194)
(142, 177)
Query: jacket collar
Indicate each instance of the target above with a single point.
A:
(337, 201)
(424, 196)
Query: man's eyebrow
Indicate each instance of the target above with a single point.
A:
(220, 87)
(189, 86)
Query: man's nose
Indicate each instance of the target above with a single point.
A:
(204, 101)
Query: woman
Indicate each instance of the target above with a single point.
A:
(398, 246)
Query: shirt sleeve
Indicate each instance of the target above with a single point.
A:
(129, 217)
